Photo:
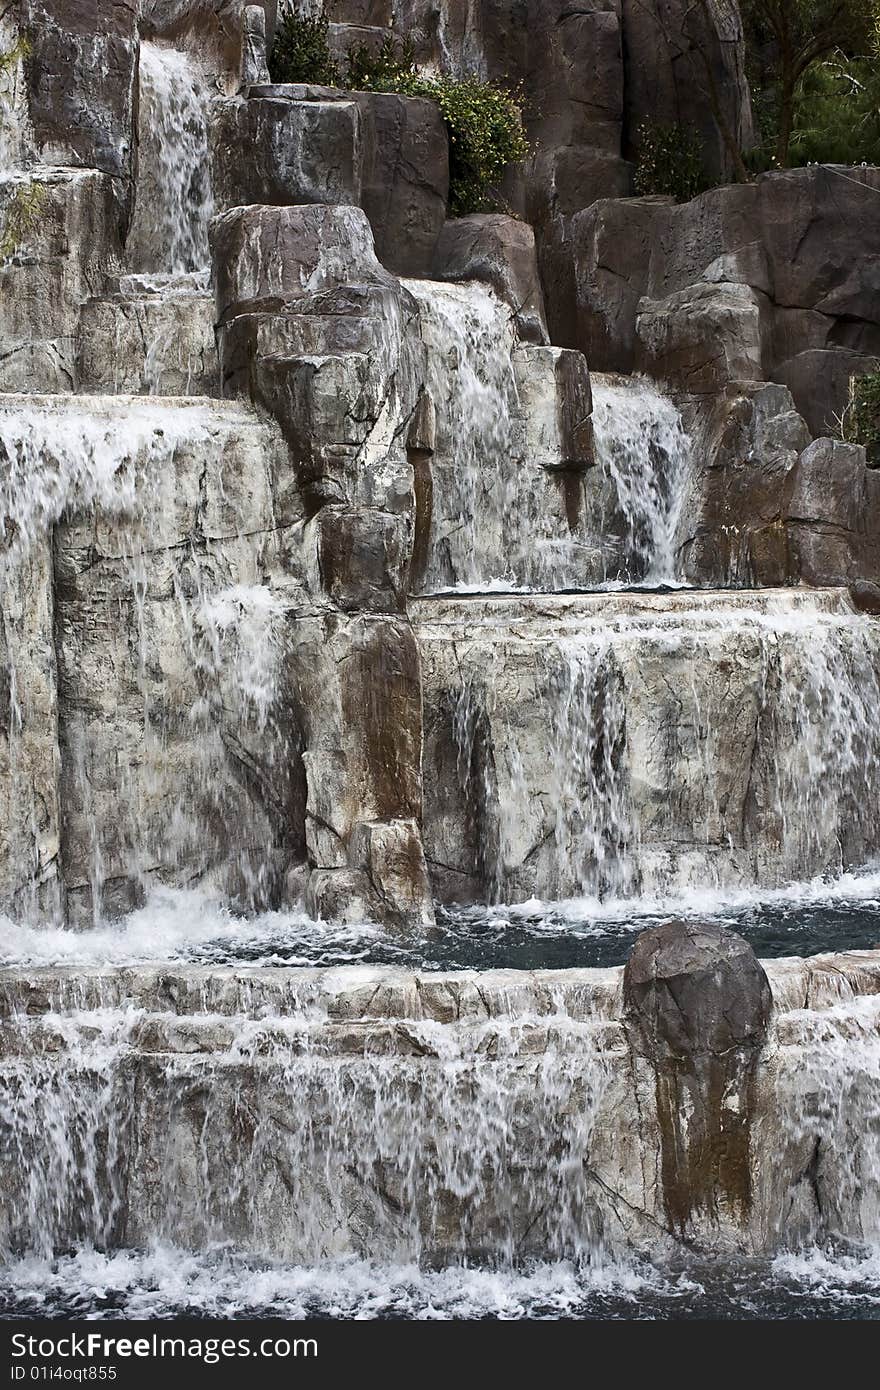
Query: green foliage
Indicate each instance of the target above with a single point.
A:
(301, 52)
(669, 160)
(383, 70)
(483, 119)
(486, 134)
(862, 417)
(810, 77)
(23, 215)
(837, 114)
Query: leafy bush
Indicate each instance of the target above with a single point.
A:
(483, 119)
(669, 160)
(384, 69)
(486, 134)
(301, 52)
(862, 417)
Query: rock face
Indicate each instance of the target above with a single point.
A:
(769, 506)
(800, 245)
(280, 152)
(698, 1007)
(602, 68)
(82, 82)
(42, 285)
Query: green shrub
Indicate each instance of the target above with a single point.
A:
(301, 52)
(385, 69)
(483, 119)
(669, 160)
(486, 135)
(863, 414)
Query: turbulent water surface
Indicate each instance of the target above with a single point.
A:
(802, 920)
(167, 1283)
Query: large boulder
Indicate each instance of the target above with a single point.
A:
(702, 338)
(405, 153)
(82, 81)
(675, 54)
(819, 378)
(273, 258)
(698, 1005)
(282, 152)
(501, 251)
(68, 226)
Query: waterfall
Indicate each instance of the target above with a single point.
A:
(102, 1106)
(152, 753)
(469, 337)
(573, 717)
(645, 454)
(174, 202)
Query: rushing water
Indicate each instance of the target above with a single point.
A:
(175, 925)
(105, 491)
(174, 202)
(166, 1282)
(617, 747)
(190, 1123)
(645, 453)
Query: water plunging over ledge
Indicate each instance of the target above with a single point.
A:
(174, 201)
(556, 726)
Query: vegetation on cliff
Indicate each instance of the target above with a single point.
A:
(484, 119)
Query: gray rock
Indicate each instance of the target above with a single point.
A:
(72, 243)
(284, 152)
(500, 251)
(405, 153)
(698, 1006)
(254, 63)
(143, 342)
(818, 379)
(82, 77)
(394, 862)
(667, 44)
(556, 399)
(363, 558)
(701, 338)
(215, 29)
(275, 258)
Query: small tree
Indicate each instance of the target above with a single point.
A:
(790, 36)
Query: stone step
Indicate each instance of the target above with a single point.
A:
(154, 336)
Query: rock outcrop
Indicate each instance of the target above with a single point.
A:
(800, 246)
(698, 1007)
(490, 1111)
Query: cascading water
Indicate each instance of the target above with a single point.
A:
(182, 1076)
(174, 202)
(193, 675)
(645, 454)
(573, 718)
(499, 520)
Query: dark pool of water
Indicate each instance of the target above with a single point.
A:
(548, 938)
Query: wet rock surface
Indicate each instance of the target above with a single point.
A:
(698, 1006)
